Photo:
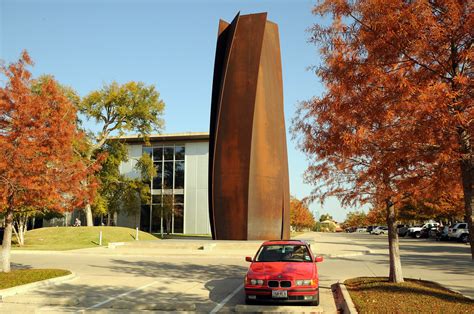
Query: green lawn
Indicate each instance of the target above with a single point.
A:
(23, 276)
(377, 295)
(70, 238)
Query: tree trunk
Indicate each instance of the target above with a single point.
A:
(467, 174)
(88, 212)
(7, 241)
(395, 274)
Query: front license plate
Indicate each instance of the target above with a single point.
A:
(278, 294)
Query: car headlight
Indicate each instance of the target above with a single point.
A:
(257, 282)
(304, 282)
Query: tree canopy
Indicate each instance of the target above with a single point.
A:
(39, 168)
(397, 107)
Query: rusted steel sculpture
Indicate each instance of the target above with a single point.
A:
(248, 162)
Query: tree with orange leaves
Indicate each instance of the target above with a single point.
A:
(300, 216)
(396, 121)
(39, 167)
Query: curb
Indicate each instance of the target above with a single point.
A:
(365, 252)
(343, 299)
(29, 286)
(241, 308)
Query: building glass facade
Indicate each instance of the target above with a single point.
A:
(167, 189)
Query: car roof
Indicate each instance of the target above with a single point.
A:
(289, 242)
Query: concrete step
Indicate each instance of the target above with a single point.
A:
(277, 309)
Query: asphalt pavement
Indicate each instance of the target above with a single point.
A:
(167, 276)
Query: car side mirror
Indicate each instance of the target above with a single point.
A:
(248, 259)
(319, 259)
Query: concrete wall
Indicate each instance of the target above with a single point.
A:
(196, 209)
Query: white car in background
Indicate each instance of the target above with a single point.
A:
(380, 230)
(361, 229)
(459, 232)
(415, 232)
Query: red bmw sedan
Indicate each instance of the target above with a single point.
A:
(283, 271)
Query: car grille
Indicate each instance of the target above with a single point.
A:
(273, 284)
(282, 283)
(285, 284)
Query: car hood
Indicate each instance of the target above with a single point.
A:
(287, 270)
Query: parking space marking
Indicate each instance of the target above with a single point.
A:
(121, 295)
(223, 302)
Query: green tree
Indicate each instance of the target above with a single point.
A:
(118, 192)
(117, 108)
(325, 217)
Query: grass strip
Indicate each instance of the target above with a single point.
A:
(70, 238)
(20, 277)
(378, 295)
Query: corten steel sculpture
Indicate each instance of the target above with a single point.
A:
(248, 163)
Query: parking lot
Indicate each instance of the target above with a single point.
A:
(212, 281)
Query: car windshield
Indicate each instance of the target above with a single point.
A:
(283, 253)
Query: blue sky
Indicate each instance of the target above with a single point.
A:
(170, 44)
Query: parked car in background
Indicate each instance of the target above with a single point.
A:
(350, 229)
(459, 232)
(283, 271)
(380, 230)
(442, 233)
(402, 230)
(370, 228)
(427, 231)
(415, 232)
(361, 229)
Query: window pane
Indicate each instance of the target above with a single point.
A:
(157, 153)
(145, 218)
(157, 180)
(179, 175)
(179, 152)
(169, 153)
(156, 199)
(168, 175)
(178, 218)
(179, 199)
(147, 150)
(156, 218)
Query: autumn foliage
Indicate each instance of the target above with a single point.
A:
(396, 121)
(39, 167)
(300, 216)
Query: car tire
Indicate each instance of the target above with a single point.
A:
(464, 238)
(417, 235)
(316, 300)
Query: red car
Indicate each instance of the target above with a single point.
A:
(283, 271)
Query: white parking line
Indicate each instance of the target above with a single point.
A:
(121, 295)
(223, 302)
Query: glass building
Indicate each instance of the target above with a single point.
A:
(179, 202)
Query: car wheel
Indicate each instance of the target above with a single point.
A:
(417, 235)
(464, 238)
(381, 232)
(316, 299)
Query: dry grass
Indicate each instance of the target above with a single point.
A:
(377, 295)
(23, 276)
